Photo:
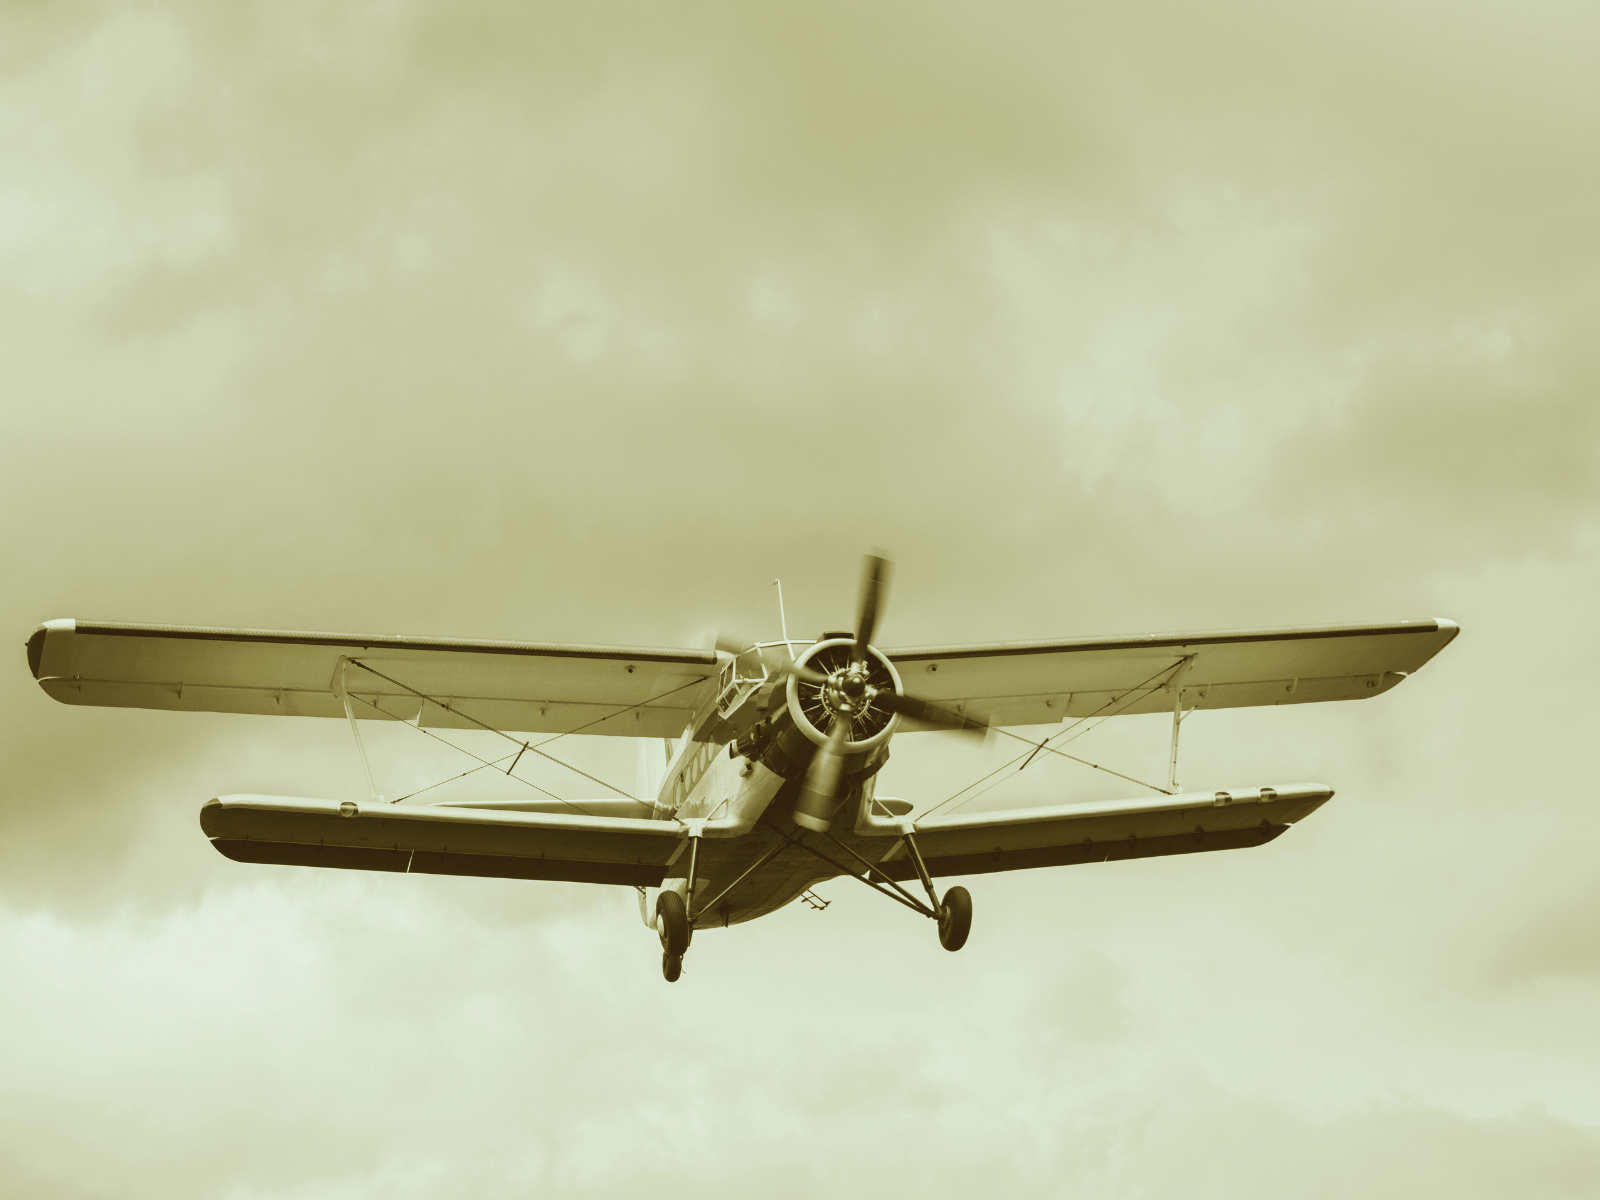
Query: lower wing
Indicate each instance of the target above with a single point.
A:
(1063, 834)
(442, 841)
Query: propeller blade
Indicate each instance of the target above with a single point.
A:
(827, 765)
(942, 718)
(782, 666)
(819, 791)
(732, 645)
(874, 579)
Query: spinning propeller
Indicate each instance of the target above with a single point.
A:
(857, 697)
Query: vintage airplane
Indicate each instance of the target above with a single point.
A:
(771, 784)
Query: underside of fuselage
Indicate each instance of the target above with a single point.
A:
(741, 878)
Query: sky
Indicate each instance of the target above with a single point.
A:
(584, 322)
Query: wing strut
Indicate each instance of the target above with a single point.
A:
(344, 698)
(1176, 686)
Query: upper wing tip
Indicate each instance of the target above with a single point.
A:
(39, 642)
(36, 641)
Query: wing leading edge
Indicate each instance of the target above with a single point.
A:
(523, 686)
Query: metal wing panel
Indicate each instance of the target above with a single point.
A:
(276, 829)
(1034, 683)
(424, 862)
(981, 863)
(1055, 835)
(526, 687)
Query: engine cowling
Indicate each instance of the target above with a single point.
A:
(791, 745)
(841, 704)
(813, 705)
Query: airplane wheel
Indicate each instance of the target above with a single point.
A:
(955, 918)
(672, 967)
(672, 922)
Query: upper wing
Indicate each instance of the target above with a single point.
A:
(523, 686)
(1036, 683)
(1062, 834)
(441, 841)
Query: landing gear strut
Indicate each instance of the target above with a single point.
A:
(672, 913)
(953, 913)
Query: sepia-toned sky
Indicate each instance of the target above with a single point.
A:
(584, 322)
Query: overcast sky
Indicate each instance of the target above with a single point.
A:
(584, 322)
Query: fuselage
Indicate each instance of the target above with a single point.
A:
(748, 806)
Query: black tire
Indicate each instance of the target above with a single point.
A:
(955, 919)
(671, 967)
(672, 923)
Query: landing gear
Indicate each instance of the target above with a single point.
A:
(672, 914)
(955, 918)
(672, 923)
(953, 913)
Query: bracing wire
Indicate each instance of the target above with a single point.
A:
(492, 729)
(1122, 700)
(618, 713)
(520, 745)
(761, 595)
(484, 762)
(463, 775)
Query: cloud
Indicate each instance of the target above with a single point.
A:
(583, 322)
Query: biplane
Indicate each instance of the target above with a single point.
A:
(772, 750)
